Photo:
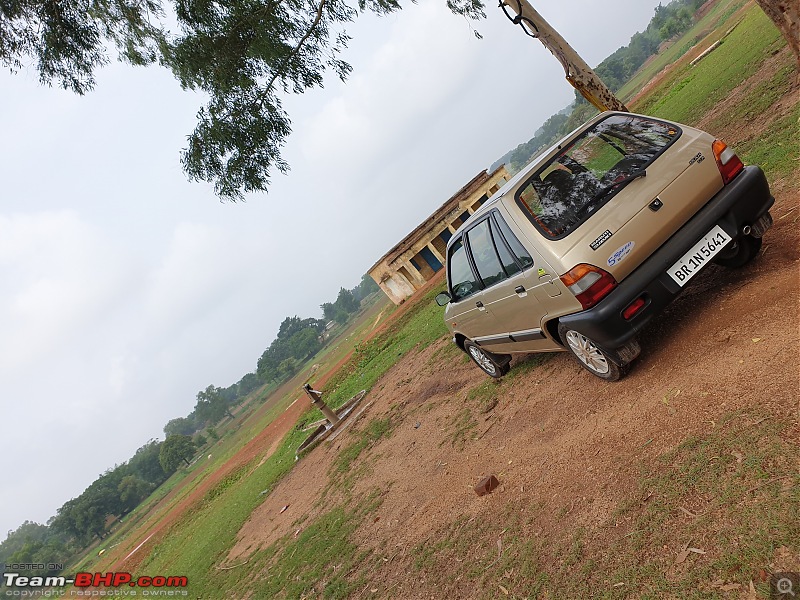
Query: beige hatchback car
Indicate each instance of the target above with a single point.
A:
(588, 243)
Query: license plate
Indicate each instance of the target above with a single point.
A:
(699, 255)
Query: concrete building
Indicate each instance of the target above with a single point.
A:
(416, 259)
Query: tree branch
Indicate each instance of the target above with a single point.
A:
(293, 53)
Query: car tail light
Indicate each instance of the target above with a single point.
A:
(590, 284)
(728, 163)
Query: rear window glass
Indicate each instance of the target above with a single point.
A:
(588, 172)
(516, 247)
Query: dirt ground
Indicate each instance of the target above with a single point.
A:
(559, 437)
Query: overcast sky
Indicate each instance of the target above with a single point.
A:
(125, 289)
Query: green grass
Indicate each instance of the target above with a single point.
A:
(742, 484)
(317, 563)
(777, 151)
(375, 430)
(203, 536)
(689, 92)
(461, 428)
(719, 14)
(759, 99)
(419, 327)
(529, 364)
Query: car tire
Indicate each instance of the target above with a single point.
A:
(745, 250)
(591, 357)
(494, 365)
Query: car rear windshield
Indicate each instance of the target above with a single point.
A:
(588, 172)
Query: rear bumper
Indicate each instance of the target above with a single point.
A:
(739, 203)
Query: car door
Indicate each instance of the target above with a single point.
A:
(519, 286)
(466, 311)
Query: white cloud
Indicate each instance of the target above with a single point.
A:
(410, 76)
(59, 274)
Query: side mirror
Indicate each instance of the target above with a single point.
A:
(443, 298)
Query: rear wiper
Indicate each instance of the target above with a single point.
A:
(619, 184)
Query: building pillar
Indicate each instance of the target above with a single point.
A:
(451, 228)
(414, 273)
(470, 210)
(436, 253)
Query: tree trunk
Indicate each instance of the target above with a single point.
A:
(786, 16)
(578, 73)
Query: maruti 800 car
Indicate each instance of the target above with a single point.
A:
(593, 239)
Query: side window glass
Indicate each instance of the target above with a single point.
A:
(506, 258)
(462, 280)
(483, 253)
(516, 246)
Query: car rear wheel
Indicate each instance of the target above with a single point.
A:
(744, 250)
(494, 365)
(591, 357)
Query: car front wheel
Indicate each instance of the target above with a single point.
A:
(493, 365)
(591, 357)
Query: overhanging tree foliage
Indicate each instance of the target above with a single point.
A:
(245, 55)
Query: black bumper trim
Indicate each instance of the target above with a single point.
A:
(741, 202)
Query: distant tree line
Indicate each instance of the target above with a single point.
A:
(111, 496)
(300, 339)
(212, 405)
(668, 21)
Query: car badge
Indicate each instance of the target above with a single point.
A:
(601, 239)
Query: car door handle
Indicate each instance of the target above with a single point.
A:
(480, 306)
(519, 290)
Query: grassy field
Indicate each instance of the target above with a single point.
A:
(716, 20)
(689, 92)
(256, 412)
(752, 497)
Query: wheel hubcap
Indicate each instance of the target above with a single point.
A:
(587, 352)
(482, 360)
